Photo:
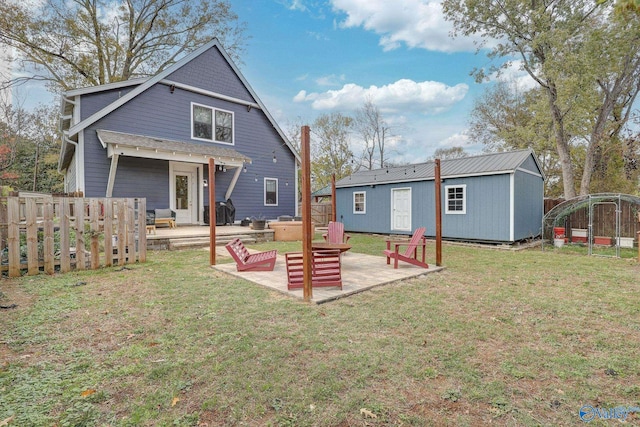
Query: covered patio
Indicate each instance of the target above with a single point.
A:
(360, 272)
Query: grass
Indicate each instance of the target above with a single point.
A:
(509, 338)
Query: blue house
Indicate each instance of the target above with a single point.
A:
(495, 197)
(153, 138)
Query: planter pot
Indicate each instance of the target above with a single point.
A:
(558, 232)
(601, 240)
(559, 242)
(258, 224)
(625, 242)
(579, 235)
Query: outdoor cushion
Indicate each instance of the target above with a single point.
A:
(164, 214)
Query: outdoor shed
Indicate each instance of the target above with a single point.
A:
(496, 197)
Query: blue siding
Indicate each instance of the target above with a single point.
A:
(531, 166)
(150, 179)
(488, 207)
(528, 205)
(210, 71)
(159, 113)
(96, 166)
(486, 218)
(487, 211)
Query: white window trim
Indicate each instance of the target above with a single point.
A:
(213, 124)
(264, 191)
(464, 199)
(364, 202)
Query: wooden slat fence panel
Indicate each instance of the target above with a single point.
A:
(45, 234)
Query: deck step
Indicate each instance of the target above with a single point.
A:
(203, 242)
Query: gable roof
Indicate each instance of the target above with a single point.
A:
(484, 164)
(323, 192)
(142, 84)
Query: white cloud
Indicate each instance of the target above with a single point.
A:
(331, 80)
(460, 139)
(416, 23)
(418, 97)
(516, 74)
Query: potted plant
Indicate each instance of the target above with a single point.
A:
(258, 222)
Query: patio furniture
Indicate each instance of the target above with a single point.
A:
(342, 247)
(261, 261)
(410, 255)
(325, 269)
(161, 216)
(335, 233)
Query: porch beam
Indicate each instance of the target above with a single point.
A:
(232, 184)
(112, 174)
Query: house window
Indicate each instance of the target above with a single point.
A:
(359, 202)
(271, 192)
(211, 124)
(456, 202)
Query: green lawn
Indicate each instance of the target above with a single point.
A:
(510, 338)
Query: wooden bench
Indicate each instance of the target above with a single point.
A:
(261, 261)
(165, 216)
(325, 269)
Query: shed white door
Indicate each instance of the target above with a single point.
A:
(401, 209)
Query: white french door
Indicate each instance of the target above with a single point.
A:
(184, 193)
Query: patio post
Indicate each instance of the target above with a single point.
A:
(334, 212)
(438, 185)
(212, 211)
(307, 290)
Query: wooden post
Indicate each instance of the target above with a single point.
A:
(437, 188)
(307, 290)
(212, 211)
(334, 213)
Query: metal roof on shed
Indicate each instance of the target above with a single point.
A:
(484, 164)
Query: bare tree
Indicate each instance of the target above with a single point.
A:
(79, 43)
(374, 132)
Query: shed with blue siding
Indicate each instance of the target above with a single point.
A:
(496, 197)
(153, 137)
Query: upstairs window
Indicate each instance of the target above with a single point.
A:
(211, 124)
(456, 202)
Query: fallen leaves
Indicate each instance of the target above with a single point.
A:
(367, 413)
(175, 401)
(87, 392)
(6, 421)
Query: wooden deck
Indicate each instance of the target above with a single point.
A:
(197, 236)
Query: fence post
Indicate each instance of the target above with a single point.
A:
(65, 228)
(13, 240)
(49, 239)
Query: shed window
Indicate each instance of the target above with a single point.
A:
(211, 124)
(359, 202)
(456, 202)
(271, 192)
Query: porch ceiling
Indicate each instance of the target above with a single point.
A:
(166, 149)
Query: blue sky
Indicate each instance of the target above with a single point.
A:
(309, 57)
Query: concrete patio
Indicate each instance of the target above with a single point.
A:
(360, 272)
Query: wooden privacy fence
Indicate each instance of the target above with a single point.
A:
(46, 233)
(321, 213)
